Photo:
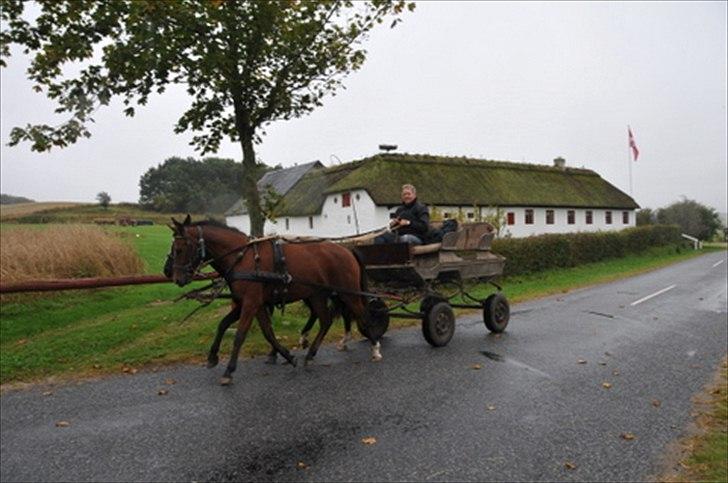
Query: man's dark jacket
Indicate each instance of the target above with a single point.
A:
(418, 216)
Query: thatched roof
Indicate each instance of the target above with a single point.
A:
(451, 181)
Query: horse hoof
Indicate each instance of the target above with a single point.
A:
(211, 363)
(226, 381)
(376, 358)
(272, 360)
(342, 347)
(303, 342)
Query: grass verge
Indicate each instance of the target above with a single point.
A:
(704, 455)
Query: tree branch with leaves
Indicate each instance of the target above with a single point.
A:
(245, 64)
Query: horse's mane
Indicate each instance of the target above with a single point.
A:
(218, 224)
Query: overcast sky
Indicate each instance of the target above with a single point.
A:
(523, 82)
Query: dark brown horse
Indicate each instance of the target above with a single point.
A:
(316, 269)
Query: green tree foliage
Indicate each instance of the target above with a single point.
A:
(245, 63)
(188, 185)
(692, 217)
(645, 216)
(104, 199)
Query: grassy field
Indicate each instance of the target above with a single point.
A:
(61, 212)
(109, 330)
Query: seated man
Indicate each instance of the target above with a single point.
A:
(411, 220)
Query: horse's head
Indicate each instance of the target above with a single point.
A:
(187, 253)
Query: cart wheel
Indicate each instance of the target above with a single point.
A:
(496, 312)
(377, 320)
(438, 325)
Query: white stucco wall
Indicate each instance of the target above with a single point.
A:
(336, 220)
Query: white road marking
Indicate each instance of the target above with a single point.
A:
(643, 299)
(718, 263)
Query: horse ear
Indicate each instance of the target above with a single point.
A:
(177, 226)
(188, 220)
(171, 227)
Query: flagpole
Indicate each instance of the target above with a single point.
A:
(629, 162)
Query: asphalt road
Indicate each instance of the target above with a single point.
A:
(530, 408)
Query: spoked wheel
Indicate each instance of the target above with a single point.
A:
(377, 320)
(496, 313)
(438, 324)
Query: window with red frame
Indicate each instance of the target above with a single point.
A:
(589, 217)
(346, 199)
(511, 218)
(571, 217)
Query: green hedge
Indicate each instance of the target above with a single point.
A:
(537, 253)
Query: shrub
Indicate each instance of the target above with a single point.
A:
(67, 251)
(537, 253)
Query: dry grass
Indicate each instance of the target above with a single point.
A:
(10, 212)
(65, 251)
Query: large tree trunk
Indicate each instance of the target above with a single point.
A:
(246, 133)
(250, 187)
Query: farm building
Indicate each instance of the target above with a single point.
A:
(357, 197)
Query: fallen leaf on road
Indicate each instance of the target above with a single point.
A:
(715, 391)
(615, 372)
(581, 361)
(490, 407)
(369, 440)
(301, 465)
(569, 465)
(606, 385)
(656, 403)
(476, 366)
(163, 392)
(48, 393)
(602, 363)
(627, 436)
(169, 382)
(62, 424)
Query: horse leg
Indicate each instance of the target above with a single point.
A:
(272, 358)
(267, 328)
(246, 318)
(357, 310)
(303, 340)
(212, 358)
(322, 311)
(341, 345)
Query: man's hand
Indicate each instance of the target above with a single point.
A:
(404, 222)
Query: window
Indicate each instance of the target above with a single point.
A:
(336, 200)
(625, 217)
(346, 200)
(608, 217)
(287, 226)
(471, 215)
(549, 217)
(529, 217)
(511, 218)
(571, 217)
(446, 215)
(589, 217)
(310, 222)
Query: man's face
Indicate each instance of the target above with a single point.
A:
(408, 196)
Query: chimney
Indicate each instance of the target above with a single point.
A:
(560, 163)
(387, 147)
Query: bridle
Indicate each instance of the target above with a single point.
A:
(196, 262)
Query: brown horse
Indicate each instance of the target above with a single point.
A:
(316, 269)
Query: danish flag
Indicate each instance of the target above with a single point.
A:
(632, 144)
